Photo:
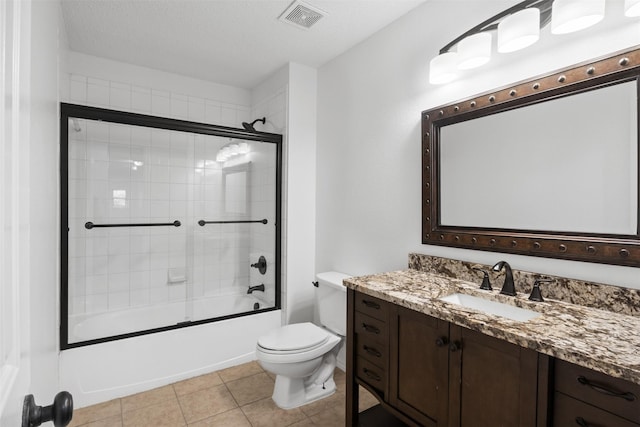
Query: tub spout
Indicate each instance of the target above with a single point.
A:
(255, 288)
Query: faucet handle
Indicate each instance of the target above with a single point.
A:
(535, 292)
(486, 284)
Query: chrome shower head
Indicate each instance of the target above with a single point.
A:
(249, 126)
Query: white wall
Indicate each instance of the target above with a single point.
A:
(301, 200)
(368, 150)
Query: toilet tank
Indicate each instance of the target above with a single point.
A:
(331, 300)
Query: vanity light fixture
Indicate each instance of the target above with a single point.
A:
(517, 28)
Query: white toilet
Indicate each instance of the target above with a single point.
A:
(303, 355)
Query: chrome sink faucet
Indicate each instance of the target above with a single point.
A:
(508, 288)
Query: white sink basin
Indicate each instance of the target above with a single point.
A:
(491, 307)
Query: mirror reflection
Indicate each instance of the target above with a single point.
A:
(570, 165)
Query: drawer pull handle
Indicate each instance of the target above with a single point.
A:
(371, 374)
(372, 351)
(628, 396)
(370, 328)
(371, 304)
(581, 422)
(442, 341)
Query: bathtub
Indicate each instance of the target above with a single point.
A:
(86, 327)
(104, 371)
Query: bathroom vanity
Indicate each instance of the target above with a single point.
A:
(436, 363)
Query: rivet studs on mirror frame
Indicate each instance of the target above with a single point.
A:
(591, 70)
(536, 86)
(562, 79)
(624, 61)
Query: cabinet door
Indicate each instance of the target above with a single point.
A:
(419, 366)
(493, 383)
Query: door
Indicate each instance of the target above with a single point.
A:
(14, 238)
(419, 372)
(28, 194)
(493, 383)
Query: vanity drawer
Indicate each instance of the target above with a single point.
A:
(373, 375)
(371, 306)
(612, 394)
(572, 412)
(370, 327)
(371, 349)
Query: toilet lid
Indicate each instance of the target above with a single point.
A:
(298, 336)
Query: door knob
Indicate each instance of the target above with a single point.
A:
(60, 412)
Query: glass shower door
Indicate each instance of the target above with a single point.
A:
(235, 266)
(161, 225)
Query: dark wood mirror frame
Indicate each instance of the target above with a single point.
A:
(591, 247)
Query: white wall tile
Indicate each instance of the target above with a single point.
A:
(118, 300)
(78, 89)
(212, 113)
(196, 109)
(98, 93)
(140, 136)
(118, 282)
(228, 117)
(179, 106)
(161, 103)
(97, 303)
(120, 96)
(141, 100)
(97, 131)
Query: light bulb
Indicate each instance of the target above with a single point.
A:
(568, 16)
(442, 68)
(519, 30)
(474, 51)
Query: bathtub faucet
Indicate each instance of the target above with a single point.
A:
(255, 288)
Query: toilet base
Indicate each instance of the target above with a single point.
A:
(290, 393)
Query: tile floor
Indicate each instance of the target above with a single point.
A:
(235, 397)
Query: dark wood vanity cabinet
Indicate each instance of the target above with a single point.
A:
(429, 372)
(587, 398)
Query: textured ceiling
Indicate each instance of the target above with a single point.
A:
(234, 42)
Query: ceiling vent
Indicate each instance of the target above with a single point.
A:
(301, 14)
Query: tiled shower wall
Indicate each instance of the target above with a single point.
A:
(176, 179)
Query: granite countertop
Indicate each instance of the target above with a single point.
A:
(598, 339)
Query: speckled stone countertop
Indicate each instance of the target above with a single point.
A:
(599, 339)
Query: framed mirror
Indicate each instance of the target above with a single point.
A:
(546, 167)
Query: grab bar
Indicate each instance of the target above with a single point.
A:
(202, 222)
(89, 225)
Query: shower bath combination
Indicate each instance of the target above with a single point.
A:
(156, 252)
(249, 126)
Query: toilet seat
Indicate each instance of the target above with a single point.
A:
(315, 343)
(294, 337)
